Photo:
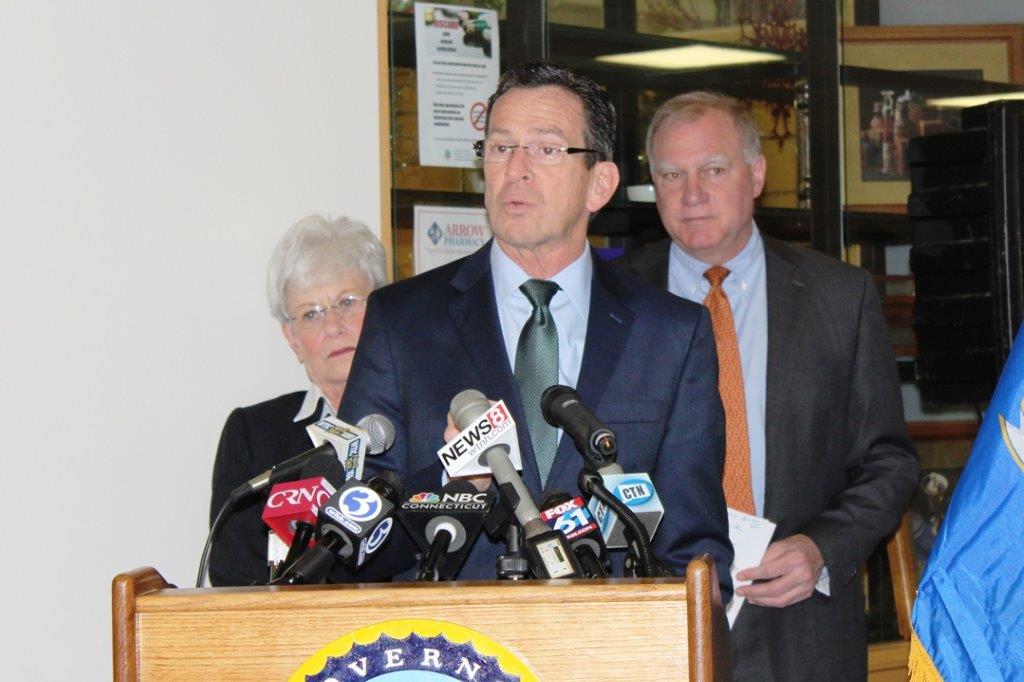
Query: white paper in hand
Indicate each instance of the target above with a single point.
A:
(750, 536)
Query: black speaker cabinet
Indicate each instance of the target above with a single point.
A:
(967, 208)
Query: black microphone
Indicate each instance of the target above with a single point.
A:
(352, 526)
(548, 551)
(279, 472)
(381, 437)
(570, 516)
(562, 408)
(445, 524)
(640, 558)
(294, 520)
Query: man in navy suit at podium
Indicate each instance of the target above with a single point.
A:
(535, 307)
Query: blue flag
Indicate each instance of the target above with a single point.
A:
(969, 615)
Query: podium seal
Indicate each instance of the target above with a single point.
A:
(412, 649)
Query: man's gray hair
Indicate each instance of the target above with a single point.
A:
(691, 106)
(317, 250)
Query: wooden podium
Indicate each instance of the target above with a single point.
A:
(642, 629)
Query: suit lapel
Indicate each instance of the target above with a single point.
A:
(475, 318)
(786, 292)
(608, 326)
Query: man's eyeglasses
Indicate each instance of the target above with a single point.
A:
(538, 152)
(316, 316)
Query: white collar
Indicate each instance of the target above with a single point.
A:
(740, 264)
(309, 403)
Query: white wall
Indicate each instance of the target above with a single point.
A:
(151, 153)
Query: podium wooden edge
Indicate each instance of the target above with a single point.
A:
(707, 631)
(125, 589)
(706, 627)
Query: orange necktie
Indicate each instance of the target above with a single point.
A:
(736, 479)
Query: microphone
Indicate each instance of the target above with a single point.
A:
(352, 525)
(292, 468)
(636, 494)
(373, 435)
(445, 525)
(286, 470)
(463, 454)
(640, 558)
(562, 408)
(380, 434)
(548, 551)
(295, 502)
(570, 516)
(292, 508)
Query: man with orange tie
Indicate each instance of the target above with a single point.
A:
(815, 437)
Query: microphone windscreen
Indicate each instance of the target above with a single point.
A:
(552, 399)
(381, 432)
(325, 465)
(554, 498)
(388, 485)
(467, 406)
(459, 485)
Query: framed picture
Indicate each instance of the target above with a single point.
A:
(879, 120)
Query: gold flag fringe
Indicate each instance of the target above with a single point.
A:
(920, 666)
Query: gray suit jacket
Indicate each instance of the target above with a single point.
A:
(840, 466)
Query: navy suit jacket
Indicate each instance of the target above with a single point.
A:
(649, 370)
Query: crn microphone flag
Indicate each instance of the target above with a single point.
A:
(969, 611)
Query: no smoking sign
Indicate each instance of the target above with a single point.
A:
(478, 115)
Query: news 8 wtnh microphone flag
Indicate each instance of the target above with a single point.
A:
(968, 618)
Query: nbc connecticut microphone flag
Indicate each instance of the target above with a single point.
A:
(969, 615)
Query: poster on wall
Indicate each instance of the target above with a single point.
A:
(442, 234)
(456, 71)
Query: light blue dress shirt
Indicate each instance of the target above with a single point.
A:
(748, 298)
(570, 309)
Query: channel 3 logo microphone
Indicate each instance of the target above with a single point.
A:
(352, 525)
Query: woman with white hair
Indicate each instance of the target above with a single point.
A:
(318, 279)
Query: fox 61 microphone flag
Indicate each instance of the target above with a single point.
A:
(571, 517)
(969, 610)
